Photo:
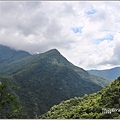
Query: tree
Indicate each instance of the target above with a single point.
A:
(9, 106)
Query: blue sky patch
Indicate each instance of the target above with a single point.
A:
(91, 11)
(77, 29)
(108, 37)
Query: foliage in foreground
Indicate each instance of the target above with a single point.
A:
(9, 105)
(90, 106)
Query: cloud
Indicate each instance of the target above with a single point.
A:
(86, 33)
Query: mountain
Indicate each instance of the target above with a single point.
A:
(47, 79)
(8, 55)
(110, 74)
(104, 104)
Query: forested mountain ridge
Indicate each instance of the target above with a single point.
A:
(46, 79)
(104, 104)
(110, 74)
(8, 55)
(53, 57)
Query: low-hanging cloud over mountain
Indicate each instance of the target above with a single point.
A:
(86, 33)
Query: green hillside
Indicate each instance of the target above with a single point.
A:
(47, 79)
(55, 58)
(8, 55)
(104, 104)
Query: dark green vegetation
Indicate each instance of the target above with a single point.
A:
(8, 55)
(45, 79)
(110, 74)
(90, 106)
(9, 104)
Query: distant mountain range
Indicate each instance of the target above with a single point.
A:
(110, 74)
(45, 79)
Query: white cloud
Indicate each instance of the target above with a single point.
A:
(40, 26)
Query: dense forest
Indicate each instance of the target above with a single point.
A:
(104, 104)
(44, 79)
(9, 102)
(31, 84)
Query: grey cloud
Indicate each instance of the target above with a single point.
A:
(68, 9)
(53, 30)
(29, 24)
(113, 60)
(40, 26)
(97, 16)
(32, 5)
(22, 15)
(6, 7)
(30, 18)
(116, 54)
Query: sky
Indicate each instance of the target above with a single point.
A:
(86, 33)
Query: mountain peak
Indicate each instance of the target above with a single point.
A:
(53, 51)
